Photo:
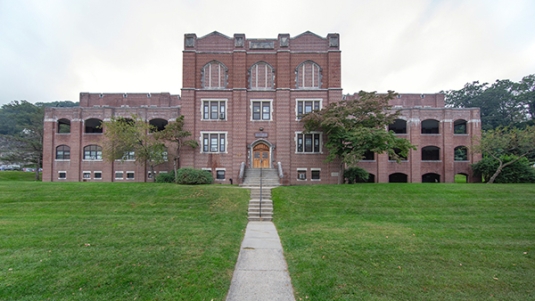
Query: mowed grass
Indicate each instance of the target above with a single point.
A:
(118, 241)
(9, 175)
(409, 241)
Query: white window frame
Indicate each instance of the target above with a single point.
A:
(320, 151)
(301, 102)
(313, 170)
(210, 133)
(299, 171)
(95, 175)
(59, 175)
(86, 173)
(220, 113)
(133, 175)
(220, 169)
(118, 178)
(261, 101)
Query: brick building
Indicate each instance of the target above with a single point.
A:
(242, 99)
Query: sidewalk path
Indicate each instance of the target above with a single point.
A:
(261, 272)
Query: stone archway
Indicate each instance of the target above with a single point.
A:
(261, 155)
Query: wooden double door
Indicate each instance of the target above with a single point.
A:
(261, 156)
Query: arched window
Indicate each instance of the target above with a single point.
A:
(430, 153)
(459, 126)
(93, 126)
(63, 152)
(430, 126)
(261, 76)
(431, 178)
(399, 126)
(214, 75)
(397, 178)
(461, 153)
(157, 124)
(64, 126)
(308, 75)
(93, 152)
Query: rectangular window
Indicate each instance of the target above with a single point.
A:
(309, 143)
(119, 175)
(129, 156)
(261, 110)
(220, 174)
(129, 175)
(149, 175)
(301, 174)
(97, 175)
(315, 175)
(213, 142)
(62, 175)
(307, 106)
(86, 175)
(214, 109)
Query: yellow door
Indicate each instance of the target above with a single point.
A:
(261, 156)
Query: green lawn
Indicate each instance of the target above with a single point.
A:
(409, 241)
(118, 241)
(16, 176)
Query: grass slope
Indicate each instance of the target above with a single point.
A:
(409, 241)
(118, 241)
(16, 176)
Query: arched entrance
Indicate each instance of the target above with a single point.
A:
(261, 156)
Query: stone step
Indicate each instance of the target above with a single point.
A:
(260, 219)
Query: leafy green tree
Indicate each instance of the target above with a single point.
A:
(125, 135)
(504, 143)
(353, 127)
(526, 94)
(174, 132)
(519, 171)
(21, 123)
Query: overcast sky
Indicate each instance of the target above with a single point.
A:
(54, 49)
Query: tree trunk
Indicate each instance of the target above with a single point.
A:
(341, 174)
(175, 168)
(37, 166)
(500, 168)
(152, 173)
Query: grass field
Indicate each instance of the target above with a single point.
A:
(118, 241)
(409, 241)
(16, 176)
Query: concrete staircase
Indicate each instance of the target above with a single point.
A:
(270, 177)
(260, 210)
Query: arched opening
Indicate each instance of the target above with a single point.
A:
(157, 124)
(63, 152)
(459, 126)
(430, 126)
(399, 126)
(93, 126)
(431, 178)
(371, 178)
(461, 153)
(461, 178)
(214, 75)
(261, 155)
(430, 153)
(398, 178)
(261, 76)
(64, 126)
(308, 75)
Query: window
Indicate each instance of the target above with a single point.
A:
(64, 126)
(461, 153)
(315, 175)
(92, 152)
(129, 156)
(261, 76)
(214, 109)
(93, 126)
(97, 175)
(430, 153)
(214, 76)
(431, 178)
(369, 156)
(157, 124)
(119, 175)
(63, 152)
(149, 175)
(62, 175)
(430, 126)
(86, 175)
(129, 175)
(309, 143)
(308, 75)
(220, 174)
(397, 151)
(213, 142)
(261, 110)
(399, 126)
(459, 126)
(301, 174)
(307, 106)
(397, 178)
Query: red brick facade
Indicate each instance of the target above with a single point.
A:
(242, 98)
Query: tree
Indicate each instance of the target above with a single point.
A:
(354, 127)
(22, 126)
(126, 135)
(520, 171)
(503, 143)
(174, 132)
(526, 94)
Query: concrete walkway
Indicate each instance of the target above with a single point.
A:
(261, 272)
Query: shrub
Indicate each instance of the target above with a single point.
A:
(194, 176)
(519, 172)
(166, 177)
(356, 175)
